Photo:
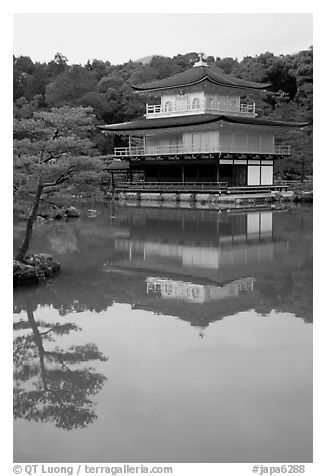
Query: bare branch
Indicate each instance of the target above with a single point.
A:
(51, 157)
(56, 134)
(60, 179)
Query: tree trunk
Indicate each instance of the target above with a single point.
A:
(37, 339)
(30, 222)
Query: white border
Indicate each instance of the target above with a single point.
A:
(168, 6)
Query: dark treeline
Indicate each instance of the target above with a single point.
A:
(107, 89)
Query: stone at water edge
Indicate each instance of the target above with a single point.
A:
(44, 261)
(34, 269)
(72, 212)
(59, 214)
(40, 219)
(288, 195)
(303, 196)
(24, 273)
(269, 199)
(92, 213)
(307, 196)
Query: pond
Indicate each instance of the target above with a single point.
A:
(171, 335)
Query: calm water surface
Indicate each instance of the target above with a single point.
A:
(169, 336)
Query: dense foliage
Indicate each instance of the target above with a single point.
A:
(50, 148)
(106, 88)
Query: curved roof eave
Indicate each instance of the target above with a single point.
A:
(193, 120)
(206, 78)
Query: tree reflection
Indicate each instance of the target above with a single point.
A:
(52, 385)
(99, 269)
(288, 292)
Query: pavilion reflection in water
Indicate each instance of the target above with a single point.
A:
(197, 293)
(216, 249)
(196, 265)
(203, 266)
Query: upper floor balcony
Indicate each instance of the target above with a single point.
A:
(278, 149)
(199, 106)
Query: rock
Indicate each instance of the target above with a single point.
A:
(72, 212)
(34, 269)
(45, 261)
(92, 213)
(202, 197)
(169, 197)
(24, 273)
(307, 197)
(132, 196)
(287, 196)
(43, 215)
(276, 195)
(119, 196)
(59, 214)
(185, 197)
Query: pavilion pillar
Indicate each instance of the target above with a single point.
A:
(217, 172)
(183, 173)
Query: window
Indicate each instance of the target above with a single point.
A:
(196, 103)
(168, 106)
(209, 103)
(253, 175)
(267, 175)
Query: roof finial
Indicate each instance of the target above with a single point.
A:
(201, 61)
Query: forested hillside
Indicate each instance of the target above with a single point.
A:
(106, 88)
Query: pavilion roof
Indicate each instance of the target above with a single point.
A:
(193, 120)
(198, 74)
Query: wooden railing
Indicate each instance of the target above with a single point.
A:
(200, 106)
(248, 108)
(280, 149)
(172, 186)
(153, 109)
(129, 151)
